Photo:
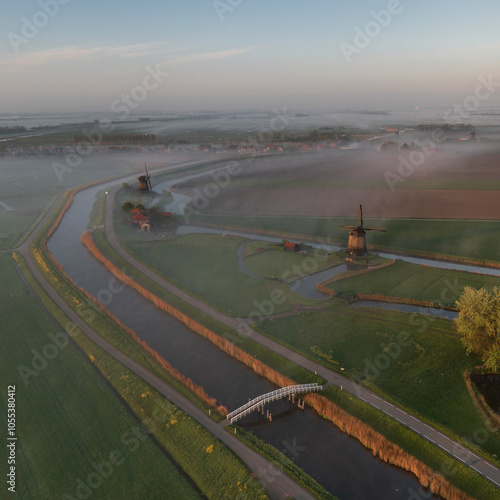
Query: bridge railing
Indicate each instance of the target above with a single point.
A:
(269, 397)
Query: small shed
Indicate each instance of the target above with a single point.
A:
(145, 226)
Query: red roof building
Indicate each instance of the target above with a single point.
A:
(138, 217)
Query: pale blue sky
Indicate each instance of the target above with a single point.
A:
(250, 53)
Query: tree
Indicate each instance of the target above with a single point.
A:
(127, 206)
(479, 324)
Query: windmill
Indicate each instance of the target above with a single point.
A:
(145, 182)
(357, 239)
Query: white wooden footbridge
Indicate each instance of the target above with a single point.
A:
(260, 401)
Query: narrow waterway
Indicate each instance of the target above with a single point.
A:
(336, 461)
(392, 306)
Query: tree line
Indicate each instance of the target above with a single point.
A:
(115, 138)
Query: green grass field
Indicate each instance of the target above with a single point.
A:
(425, 375)
(217, 470)
(28, 185)
(206, 265)
(67, 417)
(286, 266)
(406, 280)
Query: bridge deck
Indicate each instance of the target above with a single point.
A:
(260, 401)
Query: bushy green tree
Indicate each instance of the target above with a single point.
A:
(479, 324)
(127, 206)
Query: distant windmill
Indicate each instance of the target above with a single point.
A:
(145, 182)
(357, 239)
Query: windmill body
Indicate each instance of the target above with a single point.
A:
(356, 246)
(145, 182)
(357, 242)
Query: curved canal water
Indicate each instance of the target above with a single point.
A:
(338, 462)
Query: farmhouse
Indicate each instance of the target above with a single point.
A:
(138, 218)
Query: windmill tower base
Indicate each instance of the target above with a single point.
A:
(143, 184)
(357, 245)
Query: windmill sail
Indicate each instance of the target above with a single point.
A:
(148, 177)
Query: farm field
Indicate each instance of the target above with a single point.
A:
(67, 416)
(358, 183)
(378, 203)
(413, 281)
(261, 259)
(460, 167)
(452, 183)
(425, 369)
(28, 185)
(207, 266)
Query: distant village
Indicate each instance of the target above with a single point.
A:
(316, 140)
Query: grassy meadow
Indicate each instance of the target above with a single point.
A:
(261, 259)
(27, 186)
(413, 281)
(425, 369)
(67, 416)
(206, 265)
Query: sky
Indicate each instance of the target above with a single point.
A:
(196, 55)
